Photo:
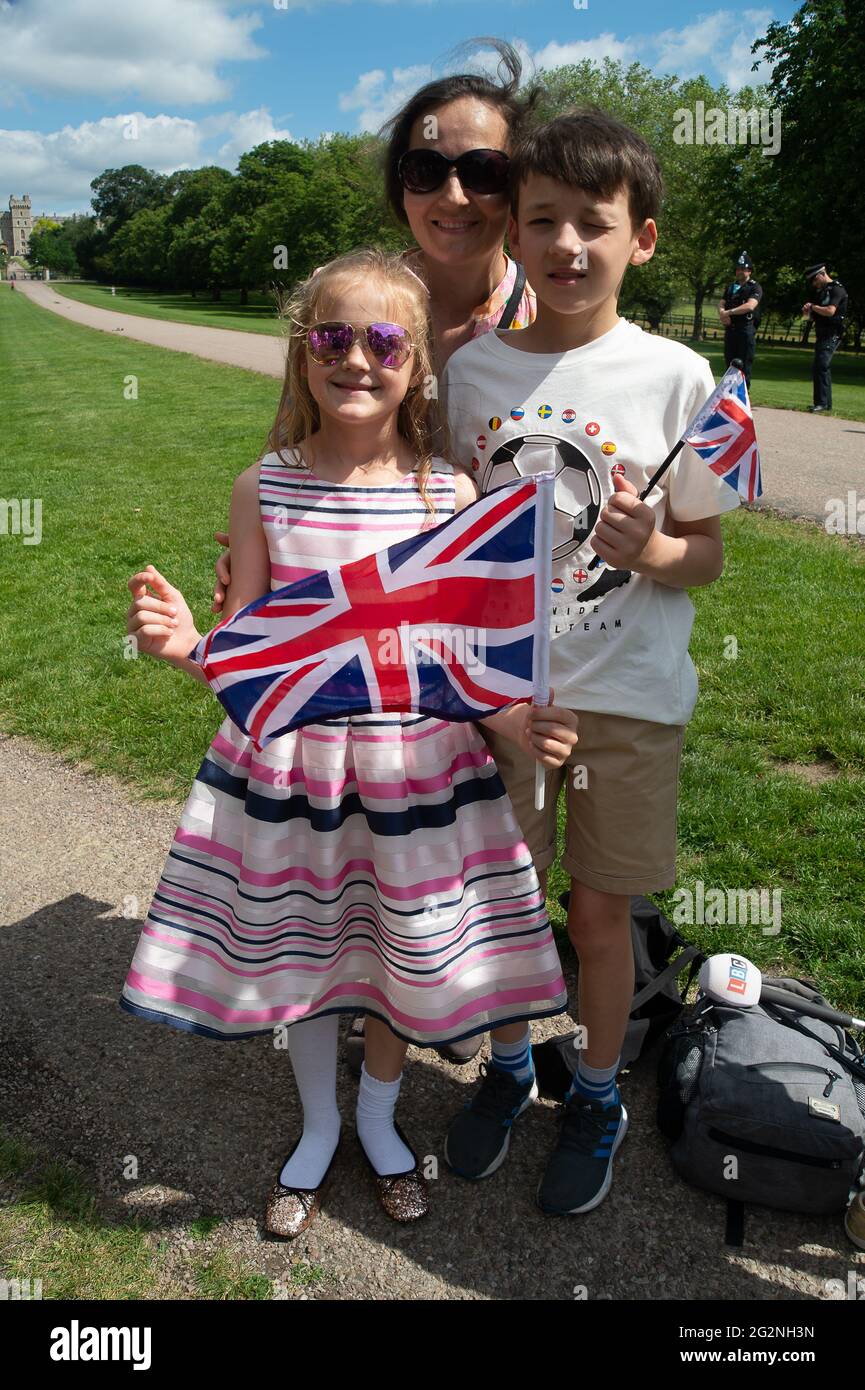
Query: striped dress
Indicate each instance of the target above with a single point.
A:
(368, 864)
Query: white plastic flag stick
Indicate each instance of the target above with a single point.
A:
(543, 583)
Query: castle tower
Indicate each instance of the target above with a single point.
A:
(16, 226)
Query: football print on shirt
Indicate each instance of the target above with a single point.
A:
(578, 503)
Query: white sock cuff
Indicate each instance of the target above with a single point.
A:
(382, 1090)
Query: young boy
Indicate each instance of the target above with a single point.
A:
(612, 401)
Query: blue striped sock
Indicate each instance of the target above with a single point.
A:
(515, 1058)
(595, 1083)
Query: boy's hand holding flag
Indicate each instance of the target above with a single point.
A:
(722, 433)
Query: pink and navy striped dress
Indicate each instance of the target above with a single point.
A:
(369, 864)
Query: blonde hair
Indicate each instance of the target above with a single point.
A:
(298, 415)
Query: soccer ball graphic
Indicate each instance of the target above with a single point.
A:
(577, 489)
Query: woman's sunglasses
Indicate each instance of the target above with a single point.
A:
(331, 342)
(479, 171)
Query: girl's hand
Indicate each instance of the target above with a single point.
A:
(162, 625)
(548, 733)
(223, 572)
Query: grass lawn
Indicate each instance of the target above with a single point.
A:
(773, 777)
(53, 1229)
(782, 376)
(258, 316)
(111, 473)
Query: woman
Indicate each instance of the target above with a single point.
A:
(458, 215)
(446, 178)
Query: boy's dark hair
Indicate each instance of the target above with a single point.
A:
(586, 148)
(504, 96)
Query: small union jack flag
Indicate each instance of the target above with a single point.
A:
(722, 433)
(448, 623)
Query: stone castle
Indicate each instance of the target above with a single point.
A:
(16, 226)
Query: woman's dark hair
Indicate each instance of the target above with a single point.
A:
(503, 96)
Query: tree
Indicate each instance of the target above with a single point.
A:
(816, 187)
(118, 194)
(137, 253)
(52, 245)
(650, 289)
(200, 188)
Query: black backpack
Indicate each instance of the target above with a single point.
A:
(764, 1105)
(658, 998)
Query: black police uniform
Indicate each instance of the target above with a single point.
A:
(829, 330)
(740, 335)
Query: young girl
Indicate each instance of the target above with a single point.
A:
(370, 863)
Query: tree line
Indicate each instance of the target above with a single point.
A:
(292, 205)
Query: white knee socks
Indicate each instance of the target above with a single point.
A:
(312, 1049)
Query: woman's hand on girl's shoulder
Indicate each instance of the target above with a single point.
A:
(250, 558)
(466, 489)
(160, 622)
(248, 481)
(223, 572)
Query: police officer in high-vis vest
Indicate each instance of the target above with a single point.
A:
(827, 309)
(739, 312)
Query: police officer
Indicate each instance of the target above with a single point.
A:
(827, 309)
(739, 312)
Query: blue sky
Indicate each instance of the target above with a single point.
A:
(90, 84)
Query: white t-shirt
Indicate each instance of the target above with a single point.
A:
(619, 640)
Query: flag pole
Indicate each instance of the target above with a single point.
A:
(675, 451)
(543, 584)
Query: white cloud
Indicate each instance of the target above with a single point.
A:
(375, 96)
(720, 42)
(244, 130)
(247, 130)
(717, 44)
(159, 50)
(56, 169)
(557, 55)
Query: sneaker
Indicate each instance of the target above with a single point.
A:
(580, 1170)
(478, 1139)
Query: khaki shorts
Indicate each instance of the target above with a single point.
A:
(621, 784)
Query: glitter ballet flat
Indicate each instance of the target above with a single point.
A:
(402, 1195)
(291, 1210)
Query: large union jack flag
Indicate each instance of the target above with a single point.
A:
(444, 623)
(723, 434)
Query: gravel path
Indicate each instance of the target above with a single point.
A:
(806, 459)
(209, 1122)
(257, 352)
